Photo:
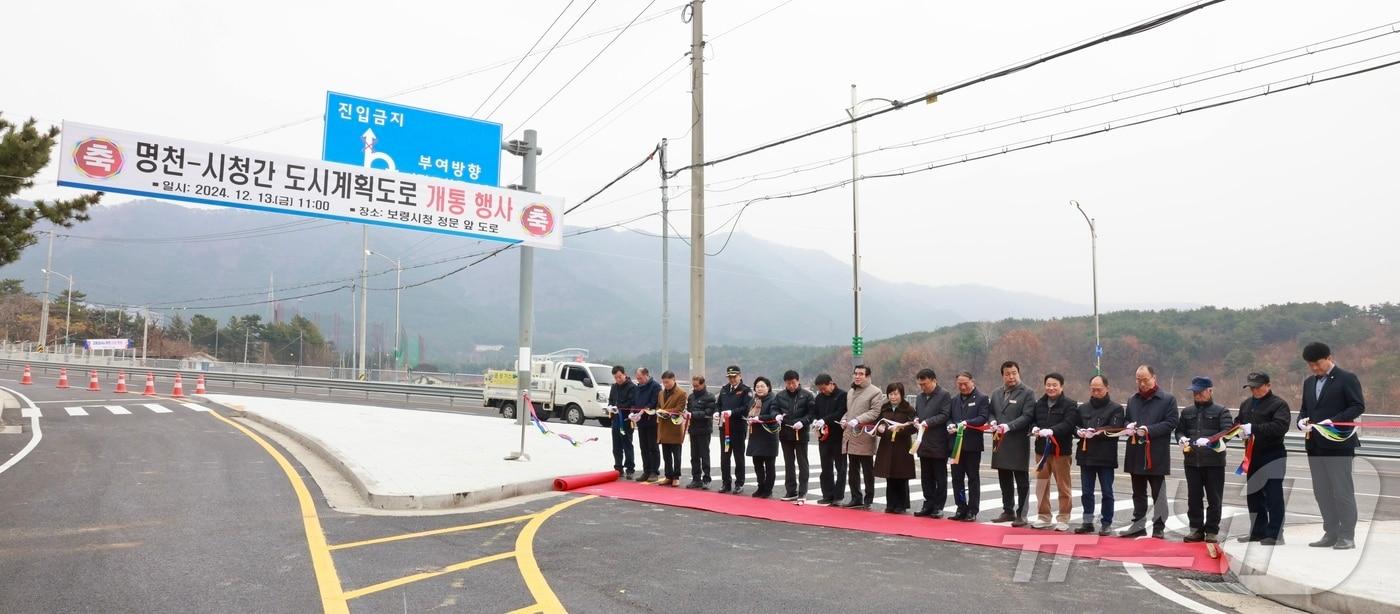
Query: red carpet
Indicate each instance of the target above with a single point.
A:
(1154, 552)
(573, 482)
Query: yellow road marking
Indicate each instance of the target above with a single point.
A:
(426, 575)
(545, 599)
(394, 538)
(332, 597)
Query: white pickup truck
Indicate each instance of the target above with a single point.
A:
(571, 390)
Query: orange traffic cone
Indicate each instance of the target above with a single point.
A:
(92, 382)
(179, 391)
(63, 378)
(150, 385)
(199, 385)
(121, 382)
(27, 379)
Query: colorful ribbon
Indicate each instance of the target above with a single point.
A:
(547, 431)
(1046, 451)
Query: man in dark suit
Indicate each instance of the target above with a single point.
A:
(970, 408)
(1330, 395)
(1152, 416)
(932, 406)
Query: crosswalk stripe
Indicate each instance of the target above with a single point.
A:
(156, 408)
(195, 407)
(31, 412)
(117, 410)
(75, 411)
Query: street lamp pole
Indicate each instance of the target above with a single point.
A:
(44, 312)
(1094, 255)
(68, 303)
(857, 343)
(398, 289)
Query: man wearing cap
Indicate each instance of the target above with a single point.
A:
(647, 396)
(1331, 394)
(1013, 410)
(794, 405)
(1203, 464)
(1264, 417)
(827, 409)
(1152, 416)
(734, 401)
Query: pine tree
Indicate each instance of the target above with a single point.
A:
(24, 151)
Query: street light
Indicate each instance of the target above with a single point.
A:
(398, 288)
(857, 344)
(1094, 255)
(68, 307)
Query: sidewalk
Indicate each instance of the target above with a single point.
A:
(1322, 579)
(406, 459)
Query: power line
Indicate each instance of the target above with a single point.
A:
(590, 63)
(542, 59)
(523, 57)
(610, 184)
(251, 233)
(932, 95)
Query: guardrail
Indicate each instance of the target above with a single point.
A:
(453, 393)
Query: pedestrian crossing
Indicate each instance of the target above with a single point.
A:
(990, 500)
(128, 409)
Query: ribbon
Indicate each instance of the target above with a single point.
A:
(1243, 469)
(1147, 441)
(1046, 451)
(726, 432)
(957, 443)
(547, 431)
(918, 438)
(824, 432)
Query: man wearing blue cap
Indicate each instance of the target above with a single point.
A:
(1204, 465)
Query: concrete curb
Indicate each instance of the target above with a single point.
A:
(8, 401)
(400, 502)
(1303, 597)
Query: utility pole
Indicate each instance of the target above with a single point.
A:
(44, 313)
(364, 299)
(665, 266)
(398, 290)
(697, 189)
(1094, 255)
(857, 343)
(529, 152)
(145, 332)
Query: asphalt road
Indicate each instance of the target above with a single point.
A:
(179, 511)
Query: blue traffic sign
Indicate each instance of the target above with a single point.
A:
(383, 135)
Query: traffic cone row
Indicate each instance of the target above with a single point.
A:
(92, 382)
(179, 391)
(63, 378)
(28, 378)
(199, 385)
(150, 385)
(121, 382)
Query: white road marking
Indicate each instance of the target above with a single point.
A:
(34, 439)
(75, 411)
(117, 410)
(155, 407)
(195, 407)
(30, 412)
(1136, 572)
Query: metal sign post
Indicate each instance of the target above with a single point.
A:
(529, 153)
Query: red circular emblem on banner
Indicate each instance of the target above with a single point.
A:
(98, 158)
(538, 220)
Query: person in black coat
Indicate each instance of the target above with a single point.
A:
(1203, 465)
(1152, 415)
(794, 404)
(893, 460)
(734, 399)
(620, 399)
(1055, 416)
(763, 436)
(1097, 456)
(702, 406)
(828, 407)
(1332, 394)
(647, 394)
(932, 406)
(970, 408)
(1265, 418)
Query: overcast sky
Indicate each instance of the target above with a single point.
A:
(1289, 197)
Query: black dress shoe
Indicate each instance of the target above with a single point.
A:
(1004, 517)
(924, 513)
(1244, 539)
(738, 489)
(1195, 536)
(791, 498)
(1159, 533)
(693, 485)
(1133, 532)
(1344, 544)
(1273, 541)
(630, 475)
(1327, 541)
(852, 504)
(1020, 522)
(1104, 531)
(1084, 529)
(724, 490)
(823, 501)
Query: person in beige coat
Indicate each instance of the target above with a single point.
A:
(670, 427)
(863, 404)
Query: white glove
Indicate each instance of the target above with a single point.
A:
(1184, 441)
(1003, 428)
(818, 423)
(1131, 426)
(1327, 422)
(725, 413)
(853, 423)
(753, 420)
(611, 409)
(1248, 429)
(1202, 442)
(780, 417)
(1303, 424)
(797, 426)
(635, 417)
(963, 424)
(952, 428)
(1142, 431)
(882, 428)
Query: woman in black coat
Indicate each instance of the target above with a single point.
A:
(763, 437)
(893, 461)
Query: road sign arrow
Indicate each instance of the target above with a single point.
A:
(369, 139)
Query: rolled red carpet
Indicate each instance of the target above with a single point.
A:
(571, 482)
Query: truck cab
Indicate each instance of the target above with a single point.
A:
(571, 390)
